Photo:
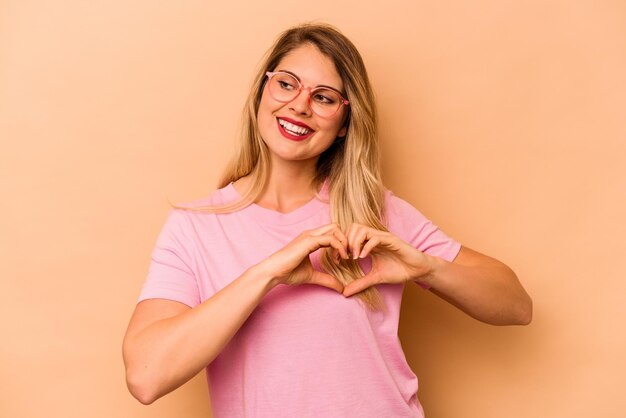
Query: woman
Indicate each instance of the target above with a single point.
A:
(285, 284)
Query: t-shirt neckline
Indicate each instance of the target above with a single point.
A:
(265, 215)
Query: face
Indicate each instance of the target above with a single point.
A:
(291, 131)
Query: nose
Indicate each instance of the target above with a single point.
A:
(300, 104)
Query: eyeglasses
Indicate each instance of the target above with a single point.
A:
(323, 101)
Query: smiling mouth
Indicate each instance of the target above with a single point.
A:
(294, 130)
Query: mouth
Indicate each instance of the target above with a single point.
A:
(294, 130)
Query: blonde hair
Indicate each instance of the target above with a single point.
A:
(350, 165)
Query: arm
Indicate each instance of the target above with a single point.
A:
(482, 287)
(167, 342)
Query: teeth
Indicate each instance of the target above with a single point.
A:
(293, 129)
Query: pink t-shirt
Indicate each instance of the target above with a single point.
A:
(305, 351)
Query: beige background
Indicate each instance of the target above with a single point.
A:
(502, 121)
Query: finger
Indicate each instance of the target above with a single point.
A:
(359, 285)
(326, 280)
(360, 237)
(322, 230)
(343, 240)
(350, 229)
(341, 248)
(328, 241)
(351, 233)
(370, 245)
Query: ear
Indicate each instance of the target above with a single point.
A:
(343, 131)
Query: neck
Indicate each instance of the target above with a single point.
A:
(290, 185)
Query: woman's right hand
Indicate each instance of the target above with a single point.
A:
(291, 265)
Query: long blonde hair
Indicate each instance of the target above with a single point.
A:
(350, 165)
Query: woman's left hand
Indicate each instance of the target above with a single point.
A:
(393, 260)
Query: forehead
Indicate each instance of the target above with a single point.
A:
(311, 66)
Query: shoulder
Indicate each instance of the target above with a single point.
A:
(402, 218)
(183, 215)
(397, 208)
(219, 197)
(412, 226)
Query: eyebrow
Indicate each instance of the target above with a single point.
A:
(319, 85)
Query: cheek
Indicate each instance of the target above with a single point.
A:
(263, 105)
(339, 124)
(267, 107)
(264, 114)
(335, 127)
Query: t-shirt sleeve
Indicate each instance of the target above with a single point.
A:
(412, 226)
(170, 275)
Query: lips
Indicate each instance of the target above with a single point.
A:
(294, 130)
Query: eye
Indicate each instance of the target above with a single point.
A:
(285, 85)
(286, 82)
(325, 97)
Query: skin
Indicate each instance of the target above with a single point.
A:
(313, 69)
(167, 342)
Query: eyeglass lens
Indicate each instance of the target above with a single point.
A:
(284, 88)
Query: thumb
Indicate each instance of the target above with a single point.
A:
(359, 284)
(326, 280)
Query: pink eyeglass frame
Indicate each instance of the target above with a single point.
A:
(343, 101)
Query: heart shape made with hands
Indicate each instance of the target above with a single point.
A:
(383, 257)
